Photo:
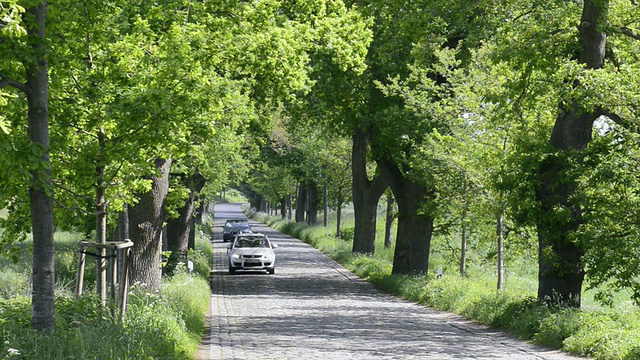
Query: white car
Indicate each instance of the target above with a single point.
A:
(252, 251)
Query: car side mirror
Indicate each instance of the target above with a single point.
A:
(275, 246)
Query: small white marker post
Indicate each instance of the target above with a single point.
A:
(190, 267)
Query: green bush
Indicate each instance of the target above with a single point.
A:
(347, 234)
(559, 326)
(369, 268)
(167, 325)
(606, 335)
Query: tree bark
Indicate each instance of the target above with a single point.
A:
(339, 215)
(146, 219)
(415, 226)
(179, 230)
(40, 186)
(366, 194)
(312, 208)
(123, 224)
(101, 218)
(463, 237)
(500, 235)
(263, 205)
(301, 202)
(325, 195)
(388, 223)
(561, 273)
(283, 208)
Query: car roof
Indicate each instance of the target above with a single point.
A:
(252, 235)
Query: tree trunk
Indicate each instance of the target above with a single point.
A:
(201, 210)
(415, 225)
(101, 219)
(263, 205)
(312, 211)
(500, 234)
(339, 215)
(289, 206)
(301, 202)
(463, 221)
(366, 194)
(283, 208)
(123, 224)
(179, 229)
(40, 186)
(146, 219)
(325, 194)
(561, 273)
(388, 223)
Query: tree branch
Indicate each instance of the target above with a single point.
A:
(619, 120)
(6, 81)
(629, 32)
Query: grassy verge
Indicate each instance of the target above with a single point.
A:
(164, 325)
(601, 333)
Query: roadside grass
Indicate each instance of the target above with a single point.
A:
(163, 325)
(594, 331)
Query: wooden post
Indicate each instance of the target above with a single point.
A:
(124, 282)
(116, 250)
(113, 263)
(80, 275)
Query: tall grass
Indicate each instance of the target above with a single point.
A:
(163, 325)
(595, 331)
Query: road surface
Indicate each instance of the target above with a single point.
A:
(313, 308)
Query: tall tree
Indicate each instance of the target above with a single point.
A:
(561, 272)
(36, 88)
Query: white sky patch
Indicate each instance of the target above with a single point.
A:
(603, 125)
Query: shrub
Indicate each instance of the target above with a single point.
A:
(606, 335)
(347, 233)
(558, 326)
(166, 325)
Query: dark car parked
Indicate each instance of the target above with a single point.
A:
(233, 227)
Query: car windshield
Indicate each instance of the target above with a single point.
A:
(237, 224)
(251, 242)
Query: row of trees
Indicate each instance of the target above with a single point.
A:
(139, 110)
(474, 114)
(514, 115)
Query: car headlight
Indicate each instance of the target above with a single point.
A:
(235, 256)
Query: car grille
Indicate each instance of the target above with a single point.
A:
(252, 256)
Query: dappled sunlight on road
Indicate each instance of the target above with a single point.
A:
(313, 308)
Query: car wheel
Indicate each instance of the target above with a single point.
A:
(232, 270)
(271, 271)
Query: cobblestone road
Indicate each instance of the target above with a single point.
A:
(312, 308)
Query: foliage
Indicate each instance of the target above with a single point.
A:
(609, 199)
(202, 255)
(165, 326)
